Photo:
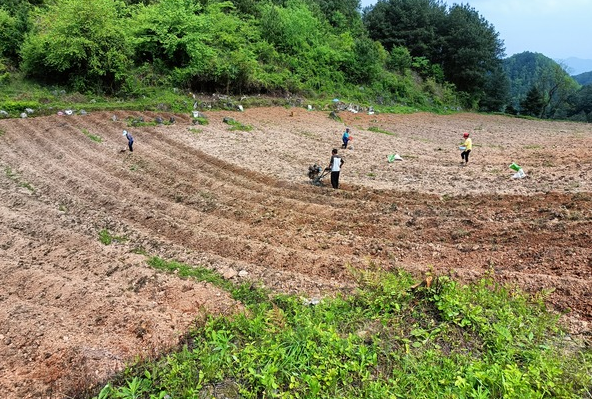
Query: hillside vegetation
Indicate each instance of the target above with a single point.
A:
(398, 52)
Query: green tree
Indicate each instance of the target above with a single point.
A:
(78, 42)
(472, 51)
(9, 34)
(203, 48)
(367, 61)
(457, 45)
(580, 105)
(534, 103)
(496, 91)
(400, 60)
(160, 33)
(310, 48)
(14, 25)
(409, 23)
(557, 86)
(343, 14)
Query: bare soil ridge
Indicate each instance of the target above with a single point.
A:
(73, 311)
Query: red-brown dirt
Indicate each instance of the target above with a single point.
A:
(74, 311)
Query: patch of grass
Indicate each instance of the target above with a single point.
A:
(392, 337)
(548, 164)
(106, 238)
(236, 125)
(91, 136)
(533, 147)
(195, 131)
(184, 270)
(460, 233)
(446, 197)
(246, 293)
(140, 251)
(17, 106)
(376, 129)
(135, 123)
(15, 177)
(333, 115)
(9, 173)
(201, 121)
(28, 186)
(2, 132)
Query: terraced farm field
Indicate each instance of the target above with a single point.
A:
(80, 216)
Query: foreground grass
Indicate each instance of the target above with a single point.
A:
(393, 338)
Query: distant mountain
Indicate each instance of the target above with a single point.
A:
(576, 66)
(584, 78)
(524, 70)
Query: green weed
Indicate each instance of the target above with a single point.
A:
(195, 131)
(533, 147)
(106, 238)
(246, 293)
(140, 251)
(446, 197)
(201, 121)
(28, 186)
(14, 177)
(392, 337)
(335, 116)
(9, 173)
(235, 125)
(460, 233)
(379, 130)
(91, 136)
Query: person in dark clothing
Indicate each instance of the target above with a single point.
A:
(130, 140)
(345, 138)
(335, 167)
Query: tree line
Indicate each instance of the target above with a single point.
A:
(416, 52)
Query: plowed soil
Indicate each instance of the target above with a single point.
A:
(74, 311)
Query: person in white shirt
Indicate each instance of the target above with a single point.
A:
(335, 167)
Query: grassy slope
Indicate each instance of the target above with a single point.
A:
(392, 338)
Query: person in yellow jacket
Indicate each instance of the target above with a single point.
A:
(468, 146)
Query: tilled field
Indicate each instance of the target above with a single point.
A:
(74, 311)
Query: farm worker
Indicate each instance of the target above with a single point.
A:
(335, 167)
(468, 144)
(130, 140)
(345, 138)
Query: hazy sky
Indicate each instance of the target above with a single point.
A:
(558, 29)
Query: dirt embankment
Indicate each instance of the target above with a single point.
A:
(73, 311)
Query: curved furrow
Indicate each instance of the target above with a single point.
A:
(176, 225)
